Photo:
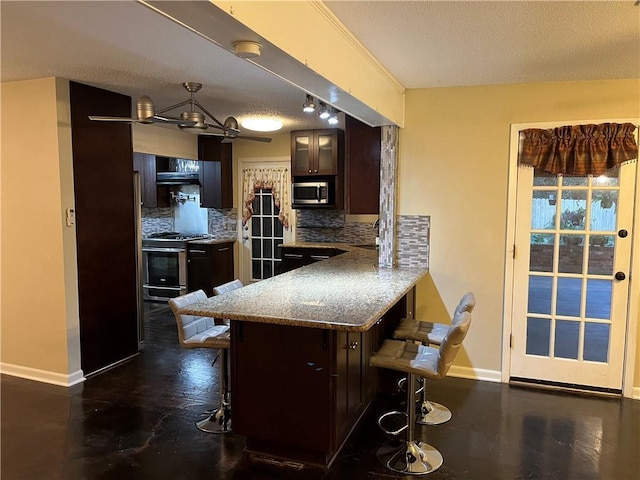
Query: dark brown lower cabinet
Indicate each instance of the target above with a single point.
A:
(209, 265)
(298, 392)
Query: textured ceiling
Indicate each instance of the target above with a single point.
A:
(128, 48)
(461, 43)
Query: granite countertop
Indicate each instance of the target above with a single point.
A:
(212, 241)
(346, 292)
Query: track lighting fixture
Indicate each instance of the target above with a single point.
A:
(324, 112)
(309, 106)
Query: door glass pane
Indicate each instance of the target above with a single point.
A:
(574, 181)
(538, 336)
(540, 294)
(543, 209)
(266, 204)
(604, 205)
(255, 225)
(596, 342)
(567, 338)
(541, 252)
(267, 251)
(601, 254)
(544, 180)
(256, 251)
(256, 271)
(573, 208)
(571, 253)
(267, 222)
(598, 299)
(569, 297)
(255, 205)
(608, 180)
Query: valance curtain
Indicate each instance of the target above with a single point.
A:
(578, 150)
(275, 179)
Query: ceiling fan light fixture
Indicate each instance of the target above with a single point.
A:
(309, 105)
(262, 124)
(246, 49)
(324, 112)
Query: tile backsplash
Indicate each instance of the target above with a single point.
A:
(221, 223)
(156, 220)
(330, 226)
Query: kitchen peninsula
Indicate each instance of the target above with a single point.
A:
(300, 347)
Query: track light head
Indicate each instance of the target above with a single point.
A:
(333, 118)
(323, 112)
(309, 106)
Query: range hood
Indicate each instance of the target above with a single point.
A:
(177, 178)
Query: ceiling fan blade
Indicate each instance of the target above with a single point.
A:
(112, 119)
(173, 121)
(255, 139)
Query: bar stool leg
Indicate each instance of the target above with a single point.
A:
(413, 457)
(220, 420)
(431, 413)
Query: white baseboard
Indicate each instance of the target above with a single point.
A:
(475, 373)
(42, 375)
(635, 393)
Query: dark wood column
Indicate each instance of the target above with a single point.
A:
(105, 230)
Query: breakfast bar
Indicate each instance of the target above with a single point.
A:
(300, 344)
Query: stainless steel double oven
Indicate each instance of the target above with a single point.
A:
(164, 265)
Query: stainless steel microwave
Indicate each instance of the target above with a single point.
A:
(312, 193)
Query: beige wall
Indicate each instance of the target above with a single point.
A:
(454, 166)
(40, 326)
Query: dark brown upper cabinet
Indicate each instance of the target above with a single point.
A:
(317, 152)
(152, 195)
(216, 183)
(362, 167)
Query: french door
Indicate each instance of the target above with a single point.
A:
(260, 237)
(571, 277)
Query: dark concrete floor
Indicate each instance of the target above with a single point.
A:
(136, 421)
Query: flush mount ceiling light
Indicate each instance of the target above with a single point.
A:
(309, 105)
(262, 124)
(324, 112)
(246, 49)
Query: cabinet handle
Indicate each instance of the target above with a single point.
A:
(292, 255)
(309, 170)
(194, 250)
(353, 345)
(319, 257)
(223, 249)
(315, 171)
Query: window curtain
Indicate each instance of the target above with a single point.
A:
(578, 150)
(275, 179)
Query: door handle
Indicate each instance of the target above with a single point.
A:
(620, 276)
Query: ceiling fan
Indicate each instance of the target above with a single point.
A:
(191, 121)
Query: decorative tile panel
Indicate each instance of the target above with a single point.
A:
(412, 241)
(388, 186)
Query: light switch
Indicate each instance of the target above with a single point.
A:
(71, 217)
